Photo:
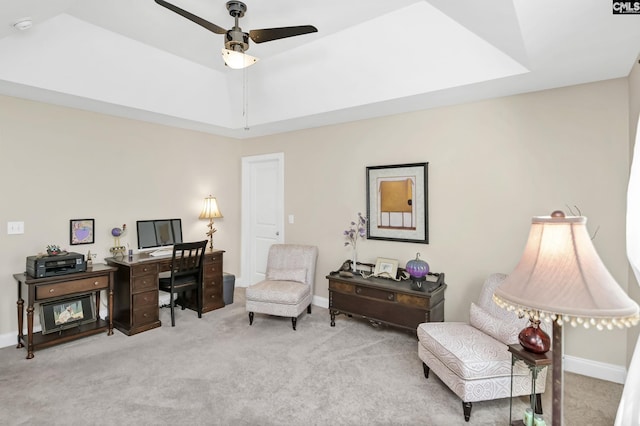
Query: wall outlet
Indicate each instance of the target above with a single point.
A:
(15, 228)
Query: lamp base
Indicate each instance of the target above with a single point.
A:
(534, 339)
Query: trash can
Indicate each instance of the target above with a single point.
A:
(228, 286)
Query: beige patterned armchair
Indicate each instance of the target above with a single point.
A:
(288, 285)
(473, 359)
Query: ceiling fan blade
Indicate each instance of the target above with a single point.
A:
(269, 34)
(190, 16)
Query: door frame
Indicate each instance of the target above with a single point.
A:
(246, 233)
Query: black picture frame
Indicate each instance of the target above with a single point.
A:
(81, 231)
(397, 203)
(80, 309)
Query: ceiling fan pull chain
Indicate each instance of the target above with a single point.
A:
(245, 97)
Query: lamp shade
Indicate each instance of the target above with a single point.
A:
(237, 60)
(560, 275)
(210, 209)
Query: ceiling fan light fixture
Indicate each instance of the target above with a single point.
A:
(237, 60)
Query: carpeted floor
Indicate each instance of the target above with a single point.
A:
(218, 370)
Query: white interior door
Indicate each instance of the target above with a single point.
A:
(262, 212)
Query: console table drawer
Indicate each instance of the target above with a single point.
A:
(146, 282)
(70, 287)
(375, 293)
(151, 268)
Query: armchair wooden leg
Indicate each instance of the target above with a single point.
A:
(425, 368)
(309, 308)
(293, 322)
(250, 318)
(466, 407)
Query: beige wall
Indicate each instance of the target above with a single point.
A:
(492, 165)
(60, 164)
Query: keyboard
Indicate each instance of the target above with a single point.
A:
(161, 253)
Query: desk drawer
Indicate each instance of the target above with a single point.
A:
(70, 287)
(212, 269)
(149, 298)
(144, 269)
(143, 283)
(145, 315)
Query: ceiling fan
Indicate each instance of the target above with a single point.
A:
(237, 41)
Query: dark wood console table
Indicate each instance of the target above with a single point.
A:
(136, 289)
(95, 279)
(384, 301)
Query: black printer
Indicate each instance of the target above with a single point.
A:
(53, 265)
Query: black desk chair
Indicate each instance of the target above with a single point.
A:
(186, 274)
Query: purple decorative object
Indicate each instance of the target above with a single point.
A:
(417, 268)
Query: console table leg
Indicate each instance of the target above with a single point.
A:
(110, 329)
(20, 320)
(333, 319)
(30, 332)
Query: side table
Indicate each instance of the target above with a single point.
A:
(536, 363)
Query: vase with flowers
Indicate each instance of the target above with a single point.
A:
(357, 229)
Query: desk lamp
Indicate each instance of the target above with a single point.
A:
(561, 279)
(210, 211)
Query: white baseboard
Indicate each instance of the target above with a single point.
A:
(599, 370)
(323, 302)
(9, 339)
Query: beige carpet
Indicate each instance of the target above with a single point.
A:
(218, 370)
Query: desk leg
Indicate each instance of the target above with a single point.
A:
(20, 321)
(30, 331)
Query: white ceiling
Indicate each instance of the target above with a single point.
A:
(136, 59)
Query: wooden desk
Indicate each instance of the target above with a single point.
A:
(95, 279)
(136, 289)
(384, 301)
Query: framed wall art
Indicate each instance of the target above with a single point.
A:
(81, 231)
(397, 206)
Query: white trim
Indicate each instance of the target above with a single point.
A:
(323, 302)
(596, 369)
(8, 339)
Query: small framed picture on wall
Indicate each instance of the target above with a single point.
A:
(81, 231)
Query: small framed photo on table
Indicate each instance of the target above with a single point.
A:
(386, 268)
(81, 231)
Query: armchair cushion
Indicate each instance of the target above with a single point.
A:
(467, 351)
(278, 292)
(292, 274)
(506, 332)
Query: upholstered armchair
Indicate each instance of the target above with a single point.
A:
(288, 285)
(473, 359)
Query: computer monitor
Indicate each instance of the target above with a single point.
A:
(153, 234)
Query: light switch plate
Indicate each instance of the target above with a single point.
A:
(15, 228)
